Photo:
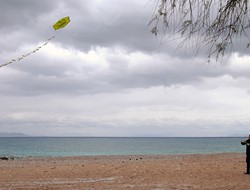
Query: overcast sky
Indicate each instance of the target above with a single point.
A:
(105, 74)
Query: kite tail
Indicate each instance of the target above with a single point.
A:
(27, 54)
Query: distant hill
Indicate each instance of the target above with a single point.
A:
(13, 135)
(239, 135)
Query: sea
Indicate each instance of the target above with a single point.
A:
(94, 146)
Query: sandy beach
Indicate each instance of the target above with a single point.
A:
(213, 171)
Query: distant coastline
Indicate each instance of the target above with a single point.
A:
(13, 135)
(44, 136)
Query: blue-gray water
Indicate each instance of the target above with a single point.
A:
(67, 146)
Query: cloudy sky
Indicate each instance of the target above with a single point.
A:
(105, 74)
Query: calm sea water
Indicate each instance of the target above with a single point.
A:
(67, 146)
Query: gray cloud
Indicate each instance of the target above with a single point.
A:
(105, 74)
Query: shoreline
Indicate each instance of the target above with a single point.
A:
(3, 157)
(185, 171)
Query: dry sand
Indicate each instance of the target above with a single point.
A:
(214, 171)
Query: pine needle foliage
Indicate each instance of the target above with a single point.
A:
(209, 24)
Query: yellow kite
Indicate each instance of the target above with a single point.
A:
(61, 23)
(58, 25)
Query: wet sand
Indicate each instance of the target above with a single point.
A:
(213, 171)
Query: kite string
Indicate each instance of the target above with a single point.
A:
(27, 54)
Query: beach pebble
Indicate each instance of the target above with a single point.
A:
(4, 158)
